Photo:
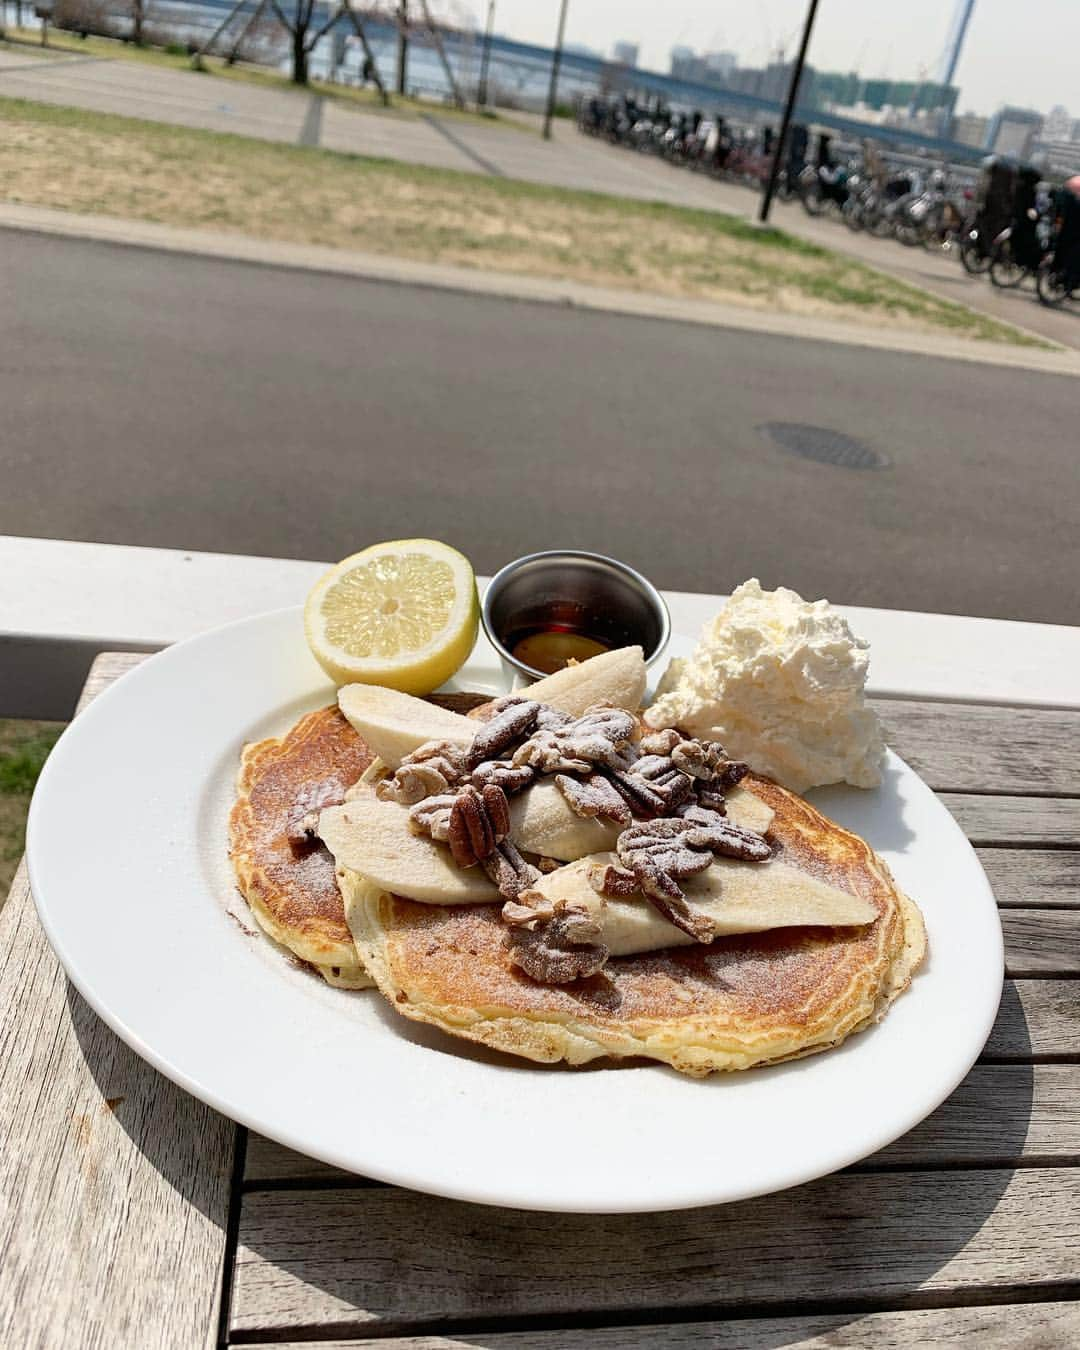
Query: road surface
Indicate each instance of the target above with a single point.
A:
(569, 160)
(193, 403)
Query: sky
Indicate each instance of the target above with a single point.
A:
(1008, 58)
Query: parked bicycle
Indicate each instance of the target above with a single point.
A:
(1058, 278)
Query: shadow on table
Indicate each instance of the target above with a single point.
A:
(872, 1237)
(190, 1145)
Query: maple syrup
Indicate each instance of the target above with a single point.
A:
(547, 636)
(550, 649)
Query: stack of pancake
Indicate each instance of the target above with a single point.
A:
(752, 997)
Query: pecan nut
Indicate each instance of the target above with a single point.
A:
(509, 871)
(705, 761)
(511, 723)
(302, 821)
(661, 853)
(479, 821)
(594, 797)
(432, 816)
(554, 943)
(503, 774)
(597, 737)
(432, 769)
(610, 879)
(653, 785)
(660, 742)
(708, 829)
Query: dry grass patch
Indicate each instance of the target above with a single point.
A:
(24, 747)
(94, 162)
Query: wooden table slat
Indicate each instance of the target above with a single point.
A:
(970, 747)
(116, 1183)
(1009, 821)
(1037, 1019)
(1038, 1326)
(1033, 876)
(390, 1260)
(1042, 941)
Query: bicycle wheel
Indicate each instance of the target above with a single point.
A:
(974, 260)
(813, 200)
(1005, 271)
(852, 213)
(1051, 287)
(877, 222)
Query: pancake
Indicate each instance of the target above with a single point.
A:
(294, 894)
(738, 1002)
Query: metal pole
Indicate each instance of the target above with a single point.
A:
(436, 37)
(234, 50)
(368, 53)
(402, 44)
(485, 57)
(197, 56)
(556, 59)
(789, 108)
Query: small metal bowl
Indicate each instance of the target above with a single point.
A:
(597, 596)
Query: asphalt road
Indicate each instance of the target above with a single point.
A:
(192, 403)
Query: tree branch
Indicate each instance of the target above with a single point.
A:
(281, 15)
(333, 19)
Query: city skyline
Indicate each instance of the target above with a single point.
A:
(908, 45)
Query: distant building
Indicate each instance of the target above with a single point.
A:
(773, 82)
(970, 129)
(625, 53)
(1057, 125)
(721, 63)
(918, 96)
(580, 49)
(680, 56)
(1058, 157)
(1012, 131)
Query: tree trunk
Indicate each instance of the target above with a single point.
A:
(402, 44)
(299, 58)
(137, 15)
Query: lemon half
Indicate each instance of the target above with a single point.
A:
(402, 614)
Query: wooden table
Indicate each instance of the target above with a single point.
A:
(132, 1215)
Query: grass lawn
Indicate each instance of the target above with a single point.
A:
(98, 162)
(23, 750)
(113, 49)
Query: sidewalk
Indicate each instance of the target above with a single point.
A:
(569, 160)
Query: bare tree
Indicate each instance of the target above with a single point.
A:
(298, 18)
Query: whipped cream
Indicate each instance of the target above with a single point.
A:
(780, 682)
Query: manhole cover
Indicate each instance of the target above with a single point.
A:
(824, 445)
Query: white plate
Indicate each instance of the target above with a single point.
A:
(126, 848)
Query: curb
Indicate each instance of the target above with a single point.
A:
(507, 286)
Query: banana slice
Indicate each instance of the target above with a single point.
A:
(739, 897)
(395, 724)
(616, 677)
(373, 838)
(747, 809)
(542, 822)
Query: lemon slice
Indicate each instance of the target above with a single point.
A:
(401, 614)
